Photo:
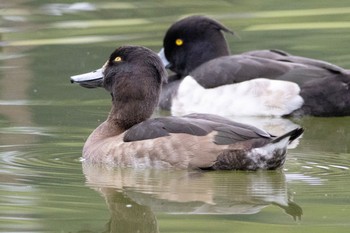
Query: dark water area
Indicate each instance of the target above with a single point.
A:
(44, 121)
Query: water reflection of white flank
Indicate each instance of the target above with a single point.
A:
(99, 23)
(340, 167)
(304, 178)
(60, 8)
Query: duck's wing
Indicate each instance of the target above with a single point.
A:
(239, 68)
(274, 54)
(227, 132)
(280, 55)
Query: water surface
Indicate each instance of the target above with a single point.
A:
(44, 121)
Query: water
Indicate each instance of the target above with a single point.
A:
(44, 121)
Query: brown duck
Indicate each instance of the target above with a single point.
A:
(133, 76)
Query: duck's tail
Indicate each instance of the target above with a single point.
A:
(294, 134)
(270, 156)
(273, 155)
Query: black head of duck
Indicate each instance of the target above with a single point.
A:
(193, 41)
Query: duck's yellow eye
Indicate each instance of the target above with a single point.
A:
(118, 59)
(179, 42)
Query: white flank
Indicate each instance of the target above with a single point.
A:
(257, 97)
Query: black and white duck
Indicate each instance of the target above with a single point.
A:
(208, 79)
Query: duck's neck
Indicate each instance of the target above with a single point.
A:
(129, 107)
(115, 125)
(219, 48)
(104, 131)
(125, 114)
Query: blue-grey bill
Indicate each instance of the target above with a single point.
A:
(162, 57)
(89, 80)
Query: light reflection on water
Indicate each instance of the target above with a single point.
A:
(44, 121)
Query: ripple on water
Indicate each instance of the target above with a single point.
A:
(38, 162)
(39, 182)
(319, 174)
(322, 163)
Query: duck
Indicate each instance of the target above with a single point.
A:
(208, 79)
(130, 137)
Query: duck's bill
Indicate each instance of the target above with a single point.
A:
(162, 57)
(89, 80)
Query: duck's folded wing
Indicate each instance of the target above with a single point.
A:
(239, 68)
(225, 121)
(227, 132)
(280, 55)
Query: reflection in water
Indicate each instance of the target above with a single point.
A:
(15, 80)
(134, 196)
(14, 87)
(126, 214)
(60, 8)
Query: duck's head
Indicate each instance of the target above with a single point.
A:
(192, 41)
(133, 76)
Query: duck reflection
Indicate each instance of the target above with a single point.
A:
(134, 196)
(126, 214)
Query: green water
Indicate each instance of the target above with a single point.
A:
(44, 121)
